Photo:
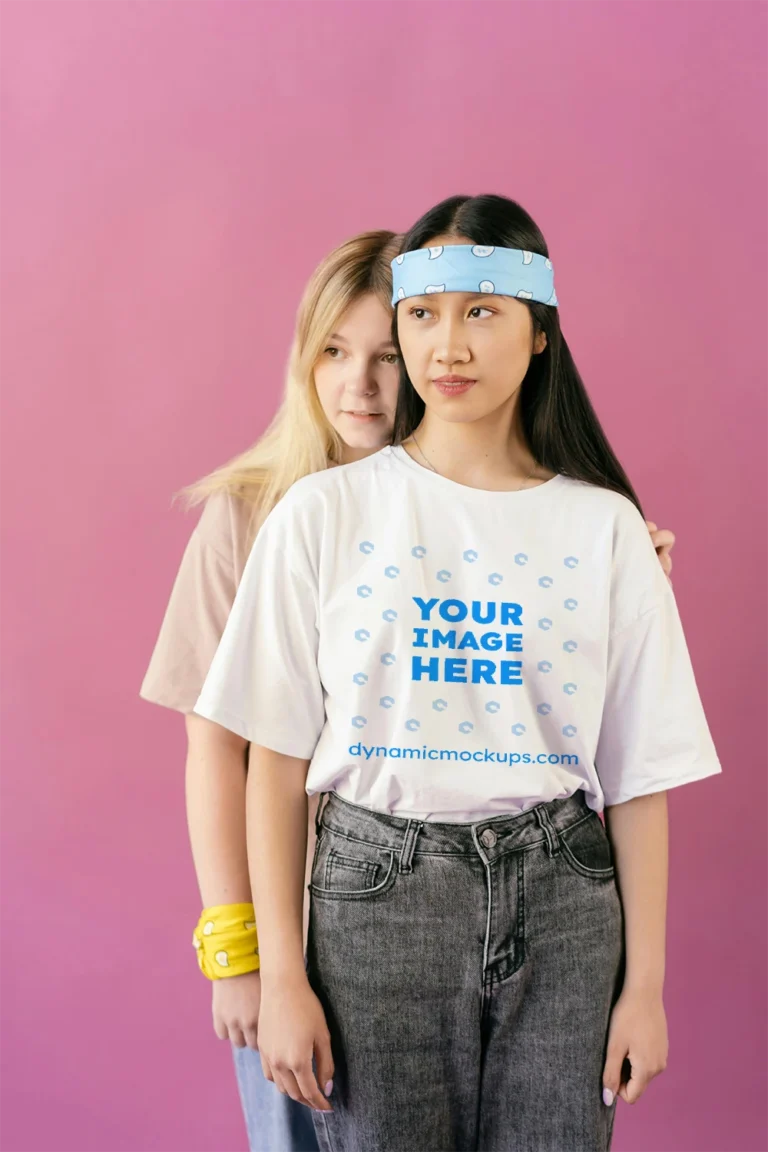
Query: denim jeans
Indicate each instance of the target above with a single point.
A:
(274, 1122)
(467, 973)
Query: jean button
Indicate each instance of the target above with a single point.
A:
(488, 838)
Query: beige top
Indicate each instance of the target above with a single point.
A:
(200, 603)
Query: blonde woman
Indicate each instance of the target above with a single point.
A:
(339, 406)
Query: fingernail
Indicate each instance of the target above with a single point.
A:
(328, 1088)
(607, 1097)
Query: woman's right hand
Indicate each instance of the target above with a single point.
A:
(236, 1002)
(293, 1031)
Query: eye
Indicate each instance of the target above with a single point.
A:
(418, 313)
(390, 358)
(475, 312)
(332, 352)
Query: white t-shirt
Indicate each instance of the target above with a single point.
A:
(448, 653)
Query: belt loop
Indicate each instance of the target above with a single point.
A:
(549, 830)
(320, 809)
(409, 844)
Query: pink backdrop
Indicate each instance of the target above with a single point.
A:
(172, 172)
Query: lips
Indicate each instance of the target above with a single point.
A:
(453, 385)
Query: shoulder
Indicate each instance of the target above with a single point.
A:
(311, 509)
(602, 502)
(333, 484)
(225, 526)
(604, 509)
(617, 528)
(637, 581)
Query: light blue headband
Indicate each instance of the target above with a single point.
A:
(473, 268)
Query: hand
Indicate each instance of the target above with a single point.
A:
(292, 1030)
(663, 542)
(236, 1008)
(638, 1035)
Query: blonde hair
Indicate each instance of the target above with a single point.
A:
(300, 439)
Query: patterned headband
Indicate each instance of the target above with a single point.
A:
(473, 268)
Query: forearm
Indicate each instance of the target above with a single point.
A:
(215, 790)
(277, 849)
(638, 831)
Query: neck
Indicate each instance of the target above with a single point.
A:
(350, 455)
(487, 453)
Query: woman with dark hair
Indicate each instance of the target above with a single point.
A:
(465, 640)
(555, 417)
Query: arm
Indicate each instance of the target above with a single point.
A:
(292, 1028)
(264, 684)
(638, 1030)
(653, 737)
(215, 790)
(197, 613)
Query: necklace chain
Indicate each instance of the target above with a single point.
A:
(431, 466)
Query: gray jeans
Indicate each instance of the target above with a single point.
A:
(467, 972)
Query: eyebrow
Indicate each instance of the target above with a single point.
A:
(343, 340)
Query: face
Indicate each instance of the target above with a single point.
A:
(466, 354)
(357, 376)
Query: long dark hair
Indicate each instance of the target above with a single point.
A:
(558, 420)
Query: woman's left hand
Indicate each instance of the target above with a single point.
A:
(638, 1035)
(663, 542)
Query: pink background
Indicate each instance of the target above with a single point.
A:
(172, 172)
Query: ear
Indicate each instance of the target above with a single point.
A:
(539, 342)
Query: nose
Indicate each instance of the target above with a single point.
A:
(450, 343)
(362, 381)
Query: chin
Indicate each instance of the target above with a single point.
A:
(473, 406)
(370, 439)
(454, 413)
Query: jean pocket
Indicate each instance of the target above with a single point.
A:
(351, 870)
(587, 849)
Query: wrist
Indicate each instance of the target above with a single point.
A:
(284, 975)
(226, 942)
(644, 986)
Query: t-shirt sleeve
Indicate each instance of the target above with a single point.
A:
(197, 611)
(654, 734)
(264, 682)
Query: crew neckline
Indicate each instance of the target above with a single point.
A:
(404, 460)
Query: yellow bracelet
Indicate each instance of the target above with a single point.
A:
(226, 942)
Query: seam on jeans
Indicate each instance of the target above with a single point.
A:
(242, 1088)
(576, 823)
(322, 804)
(362, 893)
(315, 856)
(599, 873)
(329, 1142)
(520, 928)
(336, 860)
(519, 848)
(488, 918)
(409, 844)
(350, 862)
(497, 856)
(610, 1126)
(359, 840)
(427, 852)
(549, 830)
